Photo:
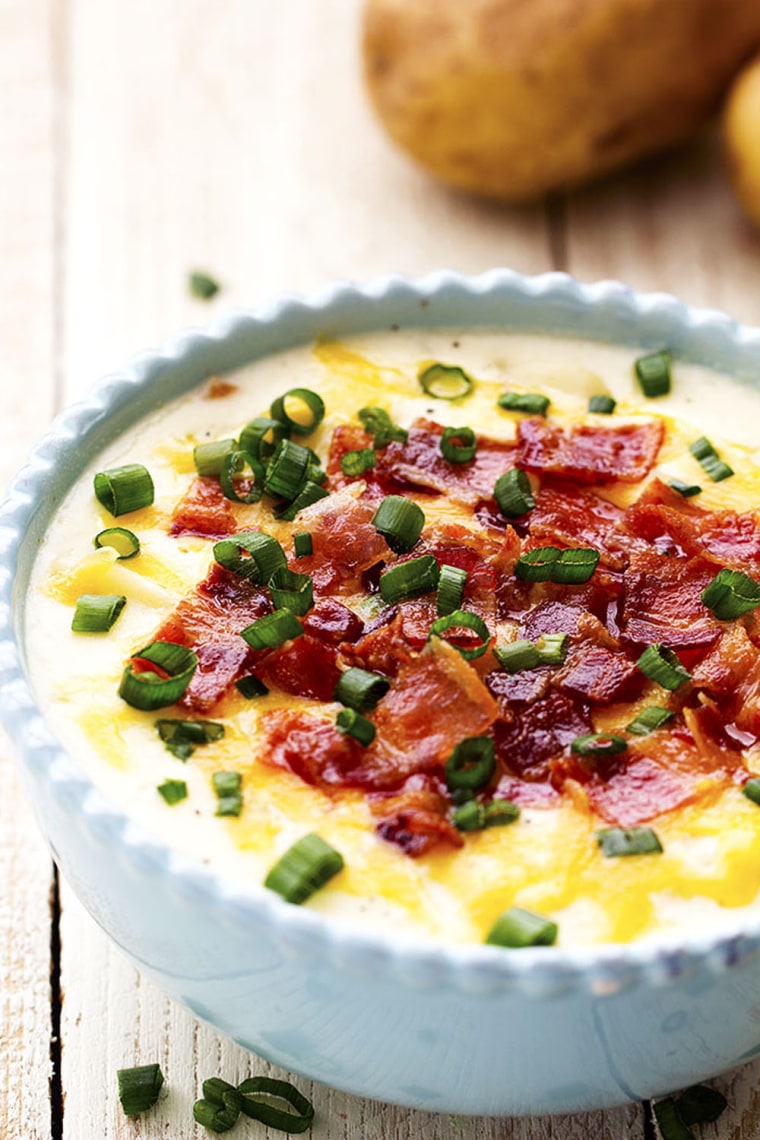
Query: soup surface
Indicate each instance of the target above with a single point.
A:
(614, 705)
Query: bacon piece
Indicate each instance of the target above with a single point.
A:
(663, 601)
(332, 622)
(639, 791)
(589, 454)
(416, 818)
(344, 543)
(569, 516)
(528, 738)
(384, 648)
(730, 660)
(203, 512)
(209, 621)
(305, 667)
(309, 746)
(597, 674)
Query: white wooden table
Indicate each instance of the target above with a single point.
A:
(140, 139)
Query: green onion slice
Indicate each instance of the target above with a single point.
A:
(451, 581)
(309, 493)
(517, 929)
(139, 1088)
(252, 555)
(616, 842)
(304, 869)
(380, 426)
(458, 445)
(217, 1117)
(202, 286)
(218, 1091)
(700, 1104)
(653, 372)
(445, 381)
(669, 1121)
(598, 744)
(552, 648)
(602, 405)
(573, 566)
(751, 789)
(352, 723)
(250, 687)
(731, 594)
(272, 630)
(661, 665)
(400, 522)
(148, 690)
(360, 690)
(463, 619)
(549, 649)
(209, 457)
(357, 462)
(286, 470)
(513, 493)
(257, 1103)
(302, 544)
(261, 436)
(173, 791)
(227, 786)
(118, 538)
(537, 565)
(649, 719)
(291, 591)
(182, 737)
(235, 464)
(471, 764)
(97, 613)
(408, 579)
(124, 489)
(473, 816)
(532, 403)
(308, 413)
(686, 490)
(709, 460)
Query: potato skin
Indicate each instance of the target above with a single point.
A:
(514, 98)
(742, 139)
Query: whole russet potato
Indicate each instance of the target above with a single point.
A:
(742, 139)
(514, 98)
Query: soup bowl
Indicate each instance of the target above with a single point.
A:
(466, 1029)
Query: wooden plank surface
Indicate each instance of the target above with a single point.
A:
(158, 137)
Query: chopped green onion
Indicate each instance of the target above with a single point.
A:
(303, 869)
(308, 404)
(517, 929)
(309, 493)
(458, 445)
(352, 723)
(616, 842)
(227, 786)
(123, 541)
(552, 648)
(218, 1091)
(147, 690)
(653, 372)
(549, 564)
(472, 816)
(257, 1103)
(709, 460)
(291, 591)
(261, 436)
(139, 1088)
(357, 462)
(286, 470)
(272, 630)
(380, 426)
(471, 764)
(731, 594)
(182, 737)
(451, 582)
(751, 789)
(517, 656)
(302, 544)
(669, 1122)
(661, 665)
(649, 719)
(700, 1105)
(687, 490)
(209, 457)
(202, 286)
(400, 522)
(407, 579)
(463, 619)
(602, 405)
(235, 463)
(598, 744)
(124, 489)
(445, 381)
(97, 613)
(252, 555)
(216, 1117)
(173, 791)
(359, 689)
(532, 403)
(250, 687)
(513, 493)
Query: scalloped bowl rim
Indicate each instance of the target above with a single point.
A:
(231, 902)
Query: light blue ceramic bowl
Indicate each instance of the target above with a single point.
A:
(462, 1029)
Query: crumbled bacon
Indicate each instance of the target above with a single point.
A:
(415, 818)
(203, 512)
(589, 454)
(305, 667)
(570, 516)
(663, 600)
(527, 738)
(344, 543)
